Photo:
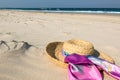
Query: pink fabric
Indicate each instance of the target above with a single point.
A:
(111, 69)
(80, 68)
(87, 73)
(84, 67)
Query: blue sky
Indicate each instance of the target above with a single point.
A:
(60, 3)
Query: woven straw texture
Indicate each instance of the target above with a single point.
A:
(54, 49)
(78, 46)
(50, 49)
(54, 53)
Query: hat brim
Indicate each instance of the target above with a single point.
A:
(51, 47)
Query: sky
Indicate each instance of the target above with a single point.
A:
(59, 3)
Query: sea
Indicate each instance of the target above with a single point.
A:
(71, 10)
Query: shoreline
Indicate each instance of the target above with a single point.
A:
(74, 13)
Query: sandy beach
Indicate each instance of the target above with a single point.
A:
(38, 29)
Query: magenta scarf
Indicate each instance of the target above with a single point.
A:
(86, 67)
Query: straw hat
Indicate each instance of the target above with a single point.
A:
(54, 51)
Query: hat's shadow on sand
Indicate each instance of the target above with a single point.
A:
(96, 53)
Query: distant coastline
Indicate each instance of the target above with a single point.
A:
(71, 10)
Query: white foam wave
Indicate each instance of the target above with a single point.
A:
(99, 12)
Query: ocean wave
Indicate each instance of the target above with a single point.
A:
(71, 10)
(99, 12)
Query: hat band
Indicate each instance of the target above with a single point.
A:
(64, 53)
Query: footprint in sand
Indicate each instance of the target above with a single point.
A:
(17, 48)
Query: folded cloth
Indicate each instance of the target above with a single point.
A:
(111, 69)
(81, 68)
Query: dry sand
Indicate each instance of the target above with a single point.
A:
(20, 61)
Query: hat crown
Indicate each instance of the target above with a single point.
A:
(78, 46)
